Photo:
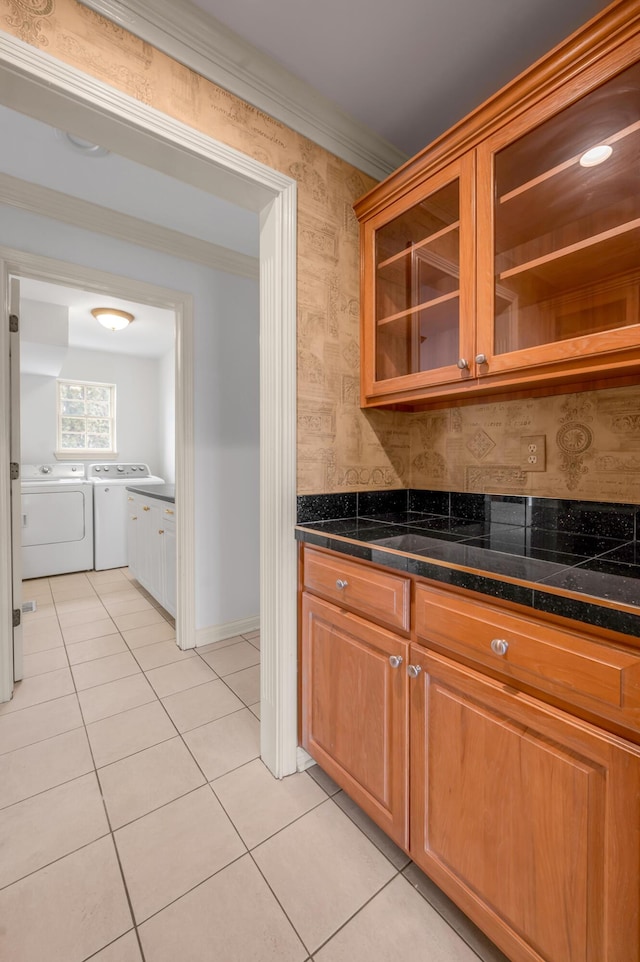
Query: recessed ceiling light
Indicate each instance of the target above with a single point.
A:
(81, 146)
(596, 155)
(111, 318)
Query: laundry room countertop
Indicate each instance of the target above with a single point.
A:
(163, 492)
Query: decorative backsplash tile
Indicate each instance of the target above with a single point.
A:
(589, 444)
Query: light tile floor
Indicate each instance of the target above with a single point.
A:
(137, 821)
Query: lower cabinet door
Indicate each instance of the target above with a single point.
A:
(355, 710)
(528, 818)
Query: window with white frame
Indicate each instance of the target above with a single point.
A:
(86, 418)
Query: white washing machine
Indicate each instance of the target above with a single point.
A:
(110, 481)
(57, 519)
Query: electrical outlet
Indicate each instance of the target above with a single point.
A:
(533, 453)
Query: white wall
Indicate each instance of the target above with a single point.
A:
(167, 416)
(226, 329)
(138, 432)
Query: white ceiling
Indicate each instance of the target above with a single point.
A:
(33, 151)
(151, 334)
(407, 69)
(37, 153)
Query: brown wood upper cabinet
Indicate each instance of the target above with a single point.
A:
(418, 294)
(515, 263)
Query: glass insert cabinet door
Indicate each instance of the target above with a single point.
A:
(561, 201)
(418, 296)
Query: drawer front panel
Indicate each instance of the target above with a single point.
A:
(376, 594)
(537, 653)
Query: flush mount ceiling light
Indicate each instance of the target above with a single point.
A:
(81, 146)
(596, 155)
(111, 318)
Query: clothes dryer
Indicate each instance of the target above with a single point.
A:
(57, 519)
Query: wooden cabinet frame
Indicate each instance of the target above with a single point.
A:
(607, 45)
(495, 777)
(526, 814)
(464, 171)
(590, 354)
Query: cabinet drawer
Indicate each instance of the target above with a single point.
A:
(537, 653)
(375, 594)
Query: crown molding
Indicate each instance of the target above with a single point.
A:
(202, 43)
(103, 220)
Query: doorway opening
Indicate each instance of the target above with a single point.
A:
(97, 415)
(43, 88)
(153, 393)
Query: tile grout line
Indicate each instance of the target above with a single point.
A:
(111, 832)
(358, 911)
(210, 785)
(212, 789)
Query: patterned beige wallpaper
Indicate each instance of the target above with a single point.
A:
(339, 448)
(585, 446)
(570, 446)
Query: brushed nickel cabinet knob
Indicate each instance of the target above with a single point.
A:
(499, 646)
(395, 660)
(413, 670)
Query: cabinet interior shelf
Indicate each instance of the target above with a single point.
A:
(406, 251)
(565, 165)
(425, 306)
(606, 235)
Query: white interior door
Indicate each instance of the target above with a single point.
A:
(16, 506)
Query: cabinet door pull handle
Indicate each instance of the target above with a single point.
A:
(129, 499)
(341, 584)
(135, 517)
(168, 511)
(413, 670)
(160, 530)
(499, 646)
(481, 358)
(146, 508)
(463, 364)
(395, 660)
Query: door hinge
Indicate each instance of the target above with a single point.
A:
(17, 617)
(14, 324)
(14, 471)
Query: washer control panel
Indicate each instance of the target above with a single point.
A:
(105, 472)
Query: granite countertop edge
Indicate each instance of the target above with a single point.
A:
(162, 492)
(587, 609)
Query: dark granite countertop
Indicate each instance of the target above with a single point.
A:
(575, 559)
(163, 492)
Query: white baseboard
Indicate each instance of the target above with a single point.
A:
(303, 760)
(206, 636)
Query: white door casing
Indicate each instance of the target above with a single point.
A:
(14, 446)
(37, 84)
(6, 560)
